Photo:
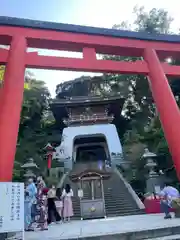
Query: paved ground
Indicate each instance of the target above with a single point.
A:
(76, 229)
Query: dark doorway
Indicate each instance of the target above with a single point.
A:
(91, 148)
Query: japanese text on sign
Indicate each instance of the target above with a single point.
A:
(12, 207)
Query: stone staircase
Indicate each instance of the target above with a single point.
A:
(118, 199)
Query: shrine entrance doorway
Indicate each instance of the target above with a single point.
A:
(92, 199)
(91, 152)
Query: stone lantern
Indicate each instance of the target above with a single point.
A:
(153, 181)
(150, 163)
(30, 166)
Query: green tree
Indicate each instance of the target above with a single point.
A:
(155, 21)
(35, 126)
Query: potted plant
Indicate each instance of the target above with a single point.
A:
(176, 207)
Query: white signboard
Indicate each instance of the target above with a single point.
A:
(11, 207)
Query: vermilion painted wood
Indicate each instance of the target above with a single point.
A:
(86, 65)
(89, 43)
(75, 64)
(11, 101)
(3, 56)
(49, 39)
(166, 104)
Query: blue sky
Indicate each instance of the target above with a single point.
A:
(100, 13)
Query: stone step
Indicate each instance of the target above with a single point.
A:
(120, 205)
(108, 207)
(152, 234)
(120, 195)
(118, 202)
(141, 227)
(171, 237)
(121, 213)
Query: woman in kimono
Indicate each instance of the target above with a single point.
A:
(30, 199)
(42, 206)
(27, 212)
(67, 194)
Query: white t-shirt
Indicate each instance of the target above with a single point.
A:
(69, 194)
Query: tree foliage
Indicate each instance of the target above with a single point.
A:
(35, 128)
(155, 21)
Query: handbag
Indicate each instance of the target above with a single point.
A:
(58, 204)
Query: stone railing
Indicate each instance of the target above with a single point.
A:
(131, 191)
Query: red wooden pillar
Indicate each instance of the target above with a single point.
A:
(166, 104)
(1, 89)
(49, 158)
(11, 101)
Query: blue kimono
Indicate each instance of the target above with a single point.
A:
(30, 199)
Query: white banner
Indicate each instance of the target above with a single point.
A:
(11, 207)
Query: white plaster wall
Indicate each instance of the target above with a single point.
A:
(70, 133)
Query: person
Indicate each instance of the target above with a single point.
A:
(67, 194)
(52, 212)
(41, 181)
(27, 212)
(33, 213)
(58, 201)
(42, 206)
(167, 194)
(30, 199)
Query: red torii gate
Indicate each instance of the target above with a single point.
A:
(22, 33)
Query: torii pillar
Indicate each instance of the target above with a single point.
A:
(11, 101)
(166, 104)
